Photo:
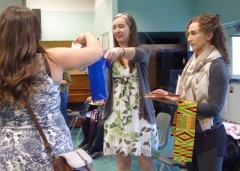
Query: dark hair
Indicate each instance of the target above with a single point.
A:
(20, 32)
(210, 23)
(133, 39)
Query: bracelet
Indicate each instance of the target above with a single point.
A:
(123, 52)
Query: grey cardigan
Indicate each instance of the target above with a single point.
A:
(217, 90)
(141, 59)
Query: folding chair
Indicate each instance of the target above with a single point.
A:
(163, 124)
(77, 115)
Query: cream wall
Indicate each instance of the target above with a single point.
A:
(65, 25)
(98, 3)
(103, 18)
(65, 20)
(62, 5)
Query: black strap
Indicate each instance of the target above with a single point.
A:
(34, 119)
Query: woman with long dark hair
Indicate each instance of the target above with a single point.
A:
(28, 71)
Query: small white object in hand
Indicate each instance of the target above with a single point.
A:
(76, 45)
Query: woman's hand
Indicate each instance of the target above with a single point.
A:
(89, 99)
(114, 53)
(171, 100)
(81, 40)
(160, 92)
(100, 102)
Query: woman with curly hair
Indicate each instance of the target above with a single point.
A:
(202, 88)
(28, 71)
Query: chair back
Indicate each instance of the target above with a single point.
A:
(87, 105)
(163, 123)
(86, 108)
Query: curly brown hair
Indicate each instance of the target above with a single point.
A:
(20, 32)
(210, 23)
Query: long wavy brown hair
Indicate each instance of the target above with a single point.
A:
(20, 32)
(133, 39)
(210, 23)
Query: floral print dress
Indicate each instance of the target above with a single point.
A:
(126, 132)
(21, 147)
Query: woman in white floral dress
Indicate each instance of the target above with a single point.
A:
(28, 70)
(130, 128)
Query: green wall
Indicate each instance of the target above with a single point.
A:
(227, 9)
(173, 15)
(159, 15)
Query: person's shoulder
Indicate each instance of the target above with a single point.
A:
(219, 61)
(219, 65)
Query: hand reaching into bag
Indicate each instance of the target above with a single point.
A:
(114, 53)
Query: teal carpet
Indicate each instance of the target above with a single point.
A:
(106, 163)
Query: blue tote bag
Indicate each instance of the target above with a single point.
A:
(97, 74)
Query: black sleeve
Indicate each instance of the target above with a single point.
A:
(217, 90)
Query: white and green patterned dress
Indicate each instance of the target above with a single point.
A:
(126, 132)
